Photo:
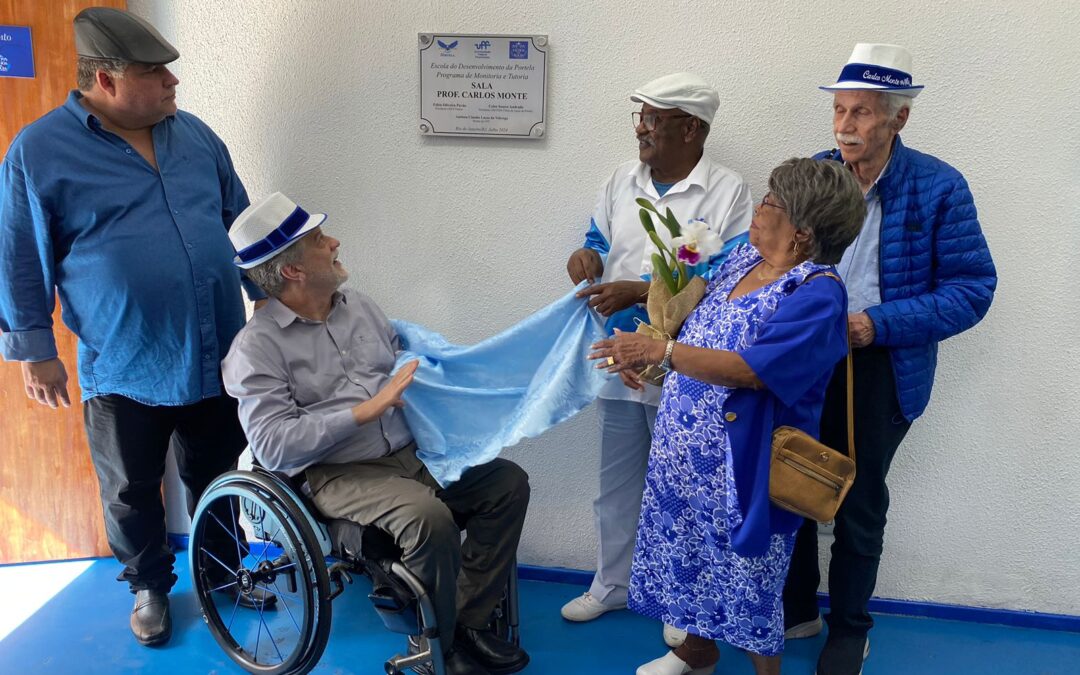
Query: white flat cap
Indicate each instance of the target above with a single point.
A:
(684, 91)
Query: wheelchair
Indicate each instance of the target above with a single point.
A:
(306, 561)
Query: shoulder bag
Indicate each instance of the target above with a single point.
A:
(806, 476)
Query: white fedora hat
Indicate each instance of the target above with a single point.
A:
(268, 227)
(877, 67)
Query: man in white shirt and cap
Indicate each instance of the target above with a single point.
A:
(672, 171)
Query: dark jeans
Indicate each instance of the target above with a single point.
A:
(859, 528)
(128, 444)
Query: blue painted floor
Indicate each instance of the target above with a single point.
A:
(83, 628)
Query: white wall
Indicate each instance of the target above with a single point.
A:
(319, 99)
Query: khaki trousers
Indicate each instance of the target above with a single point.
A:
(397, 494)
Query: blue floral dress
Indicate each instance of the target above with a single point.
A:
(685, 571)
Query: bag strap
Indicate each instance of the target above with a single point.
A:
(850, 377)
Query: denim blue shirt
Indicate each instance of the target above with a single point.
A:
(859, 267)
(140, 257)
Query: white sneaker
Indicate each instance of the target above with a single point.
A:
(586, 608)
(673, 637)
(806, 629)
(669, 664)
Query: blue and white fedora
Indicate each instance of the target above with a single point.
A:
(877, 67)
(268, 227)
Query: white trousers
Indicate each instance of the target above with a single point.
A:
(625, 437)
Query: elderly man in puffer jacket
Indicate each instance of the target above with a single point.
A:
(919, 272)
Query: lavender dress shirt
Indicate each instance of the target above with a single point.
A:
(297, 380)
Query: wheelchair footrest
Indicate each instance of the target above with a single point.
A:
(399, 616)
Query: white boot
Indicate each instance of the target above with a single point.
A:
(669, 664)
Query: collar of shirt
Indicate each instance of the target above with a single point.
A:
(872, 192)
(285, 316)
(85, 117)
(642, 174)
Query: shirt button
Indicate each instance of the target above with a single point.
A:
(190, 246)
(730, 417)
(207, 357)
(128, 151)
(176, 212)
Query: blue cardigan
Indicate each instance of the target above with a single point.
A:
(937, 276)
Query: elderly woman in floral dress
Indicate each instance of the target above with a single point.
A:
(712, 553)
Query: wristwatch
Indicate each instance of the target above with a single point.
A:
(665, 365)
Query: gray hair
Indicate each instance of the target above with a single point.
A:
(894, 103)
(267, 274)
(86, 70)
(823, 199)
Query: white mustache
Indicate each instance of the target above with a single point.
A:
(849, 138)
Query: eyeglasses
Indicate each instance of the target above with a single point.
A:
(765, 202)
(650, 119)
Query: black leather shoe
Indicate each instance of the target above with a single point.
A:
(455, 662)
(256, 599)
(843, 655)
(499, 656)
(150, 620)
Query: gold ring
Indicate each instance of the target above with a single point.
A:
(611, 360)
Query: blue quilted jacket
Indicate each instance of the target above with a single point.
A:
(937, 276)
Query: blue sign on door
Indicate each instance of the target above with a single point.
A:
(16, 52)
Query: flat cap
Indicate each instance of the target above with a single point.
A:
(684, 91)
(107, 33)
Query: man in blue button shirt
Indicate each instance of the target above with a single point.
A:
(122, 203)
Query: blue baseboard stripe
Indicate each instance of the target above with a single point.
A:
(930, 610)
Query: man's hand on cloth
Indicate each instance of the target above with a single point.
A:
(614, 296)
(387, 397)
(46, 382)
(584, 263)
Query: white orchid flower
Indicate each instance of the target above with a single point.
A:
(697, 242)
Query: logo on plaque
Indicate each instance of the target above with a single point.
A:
(519, 49)
(448, 48)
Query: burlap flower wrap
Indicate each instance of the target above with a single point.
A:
(674, 290)
(666, 316)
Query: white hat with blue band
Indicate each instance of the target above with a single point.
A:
(877, 67)
(268, 227)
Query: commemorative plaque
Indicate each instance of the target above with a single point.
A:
(483, 85)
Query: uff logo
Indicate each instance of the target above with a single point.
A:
(483, 45)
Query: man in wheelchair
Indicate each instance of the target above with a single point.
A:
(311, 372)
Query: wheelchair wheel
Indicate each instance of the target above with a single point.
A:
(289, 636)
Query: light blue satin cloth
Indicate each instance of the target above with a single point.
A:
(467, 403)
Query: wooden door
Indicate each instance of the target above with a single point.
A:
(49, 504)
